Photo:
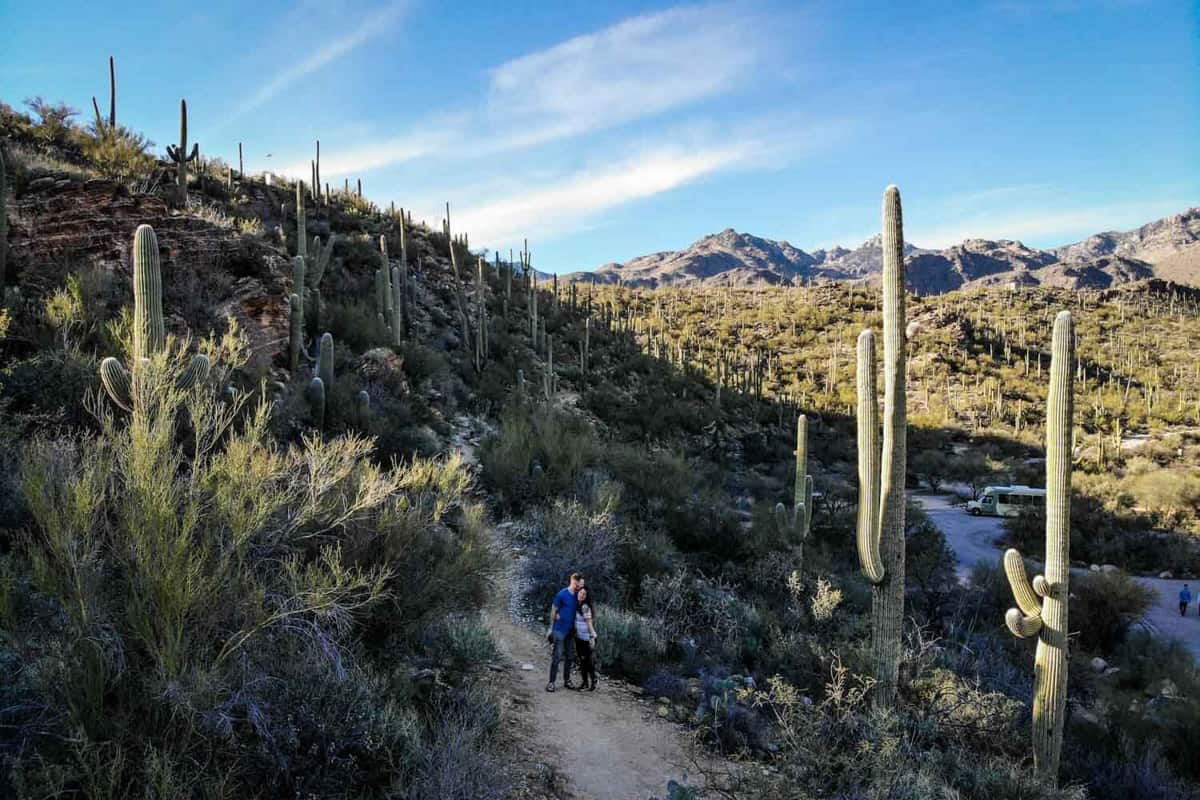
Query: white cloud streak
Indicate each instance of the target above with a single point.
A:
(635, 69)
(570, 203)
(373, 25)
(639, 67)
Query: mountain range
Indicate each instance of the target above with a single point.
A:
(1168, 248)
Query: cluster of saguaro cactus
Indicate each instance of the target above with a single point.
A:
(322, 381)
(179, 154)
(881, 474)
(459, 300)
(794, 524)
(1042, 605)
(149, 335)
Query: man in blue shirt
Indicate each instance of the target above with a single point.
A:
(1185, 597)
(562, 631)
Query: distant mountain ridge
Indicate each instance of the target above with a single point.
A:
(1168, 248)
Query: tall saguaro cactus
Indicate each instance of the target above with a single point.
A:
(795, 524)
(149, 336)
(3, 224)
(180, 155)
(1042, 605)
(881, 473)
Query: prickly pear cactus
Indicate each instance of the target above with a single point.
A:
(881, 473)
(1042, 605)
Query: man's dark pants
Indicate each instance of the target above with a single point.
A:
(1182, 609)
(564, 650)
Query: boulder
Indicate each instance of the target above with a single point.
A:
(1099, 664)
(1166, 575)
(1109, 569)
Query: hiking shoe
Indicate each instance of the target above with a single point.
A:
(569, 685)
(550, 687)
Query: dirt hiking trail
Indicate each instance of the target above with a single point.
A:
(604, 743)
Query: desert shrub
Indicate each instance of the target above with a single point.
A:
(664, 683)
(833, 745)
(458, 759)
(354, 323)
(1104, 605)
(461, 640)
(216, 603)
(567, 537)
(119, 154)
(537, 454)
(631, 646)
(1103, 535)
(932, 466)
(705, 611)
(1172, 495)
(929, 566)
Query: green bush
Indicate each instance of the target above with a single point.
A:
(630, 646)
(1103, 606)
(536, 454)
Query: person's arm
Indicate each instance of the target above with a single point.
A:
(591, 625)
(553, 616)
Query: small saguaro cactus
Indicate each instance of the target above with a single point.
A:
(362, 407)
(795, 524)
(295, 331)
(881, 474)
(180, 155)
(397, 322)
(1046, 617)
(149, 335)
(316, 401)
(325, 360)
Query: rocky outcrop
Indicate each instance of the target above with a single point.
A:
(210, 271)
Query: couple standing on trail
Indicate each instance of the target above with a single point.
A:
(572, 630)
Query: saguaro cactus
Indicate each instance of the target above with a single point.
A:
(795, 524)
(3, 224)
(149, 336)
(325, 360)
(881, 474)
(316, 401)
(295, 331)
(179, 154)
(1046, 617)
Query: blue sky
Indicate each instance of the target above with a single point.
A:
(605, 130)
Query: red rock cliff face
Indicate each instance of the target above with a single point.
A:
(215, 270)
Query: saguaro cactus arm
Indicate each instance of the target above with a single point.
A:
(868, 461)
(117, 382)
(1026, 620)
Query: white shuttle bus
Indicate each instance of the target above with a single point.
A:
(1005, 501)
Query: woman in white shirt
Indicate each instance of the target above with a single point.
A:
(585, 638)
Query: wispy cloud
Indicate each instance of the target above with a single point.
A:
(371, 26)
(638, 68)
(576, 198)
